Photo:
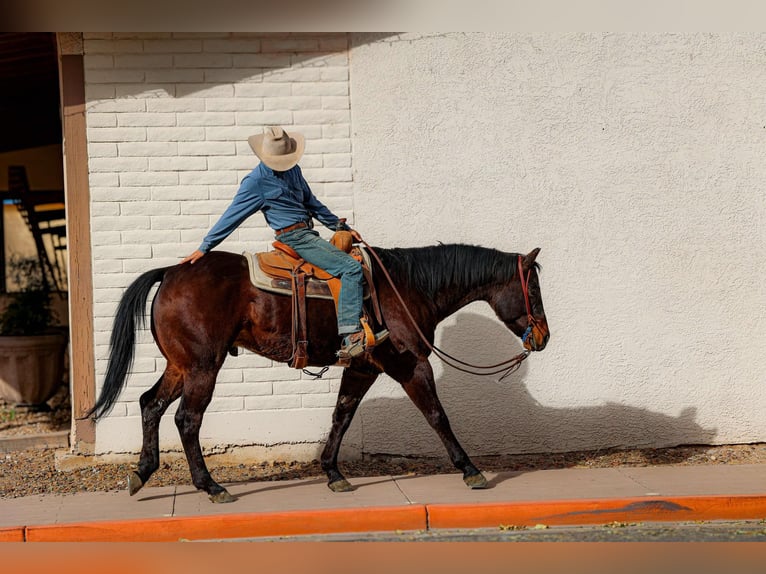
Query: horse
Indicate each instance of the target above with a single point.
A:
(203, 311)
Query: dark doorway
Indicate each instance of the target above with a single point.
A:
(31, 165)
(33, 236)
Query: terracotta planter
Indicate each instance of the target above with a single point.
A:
(31, 368)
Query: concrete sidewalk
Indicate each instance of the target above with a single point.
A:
(387, 503)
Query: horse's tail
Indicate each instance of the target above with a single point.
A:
(122, 342)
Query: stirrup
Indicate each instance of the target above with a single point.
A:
(371, 338)
(357, 343)
(353, 345)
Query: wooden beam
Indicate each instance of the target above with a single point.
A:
(77, 193)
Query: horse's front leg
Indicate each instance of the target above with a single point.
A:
(421, 389)
(353, 386)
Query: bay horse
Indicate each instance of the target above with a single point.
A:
(202, 311)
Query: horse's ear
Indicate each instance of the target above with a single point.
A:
(529, 259)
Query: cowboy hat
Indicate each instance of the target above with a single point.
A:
(277, 149)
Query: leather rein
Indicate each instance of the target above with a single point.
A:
(505, 367)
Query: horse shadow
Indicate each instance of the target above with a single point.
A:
(501, 424)
(493, 418)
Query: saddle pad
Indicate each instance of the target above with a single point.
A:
(315, 288)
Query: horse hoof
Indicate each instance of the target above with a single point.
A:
(475, 481)
(134, 483)
(222, 497)
(341, 485)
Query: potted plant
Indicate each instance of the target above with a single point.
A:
(32, 348)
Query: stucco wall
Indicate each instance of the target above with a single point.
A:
(634, 161)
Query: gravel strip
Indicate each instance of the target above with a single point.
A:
(31, 472)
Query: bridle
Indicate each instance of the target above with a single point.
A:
(505, 367)
(531, 321)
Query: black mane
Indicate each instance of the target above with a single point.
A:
(430, 269)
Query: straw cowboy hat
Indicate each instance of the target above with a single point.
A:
(277, 149)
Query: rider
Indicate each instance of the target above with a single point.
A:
(277, 188)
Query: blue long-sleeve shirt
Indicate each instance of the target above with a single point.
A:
(284, 201)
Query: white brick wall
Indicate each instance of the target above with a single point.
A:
(168, 117)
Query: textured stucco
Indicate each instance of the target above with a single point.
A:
(636, 162)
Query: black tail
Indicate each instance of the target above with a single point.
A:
(123, 339)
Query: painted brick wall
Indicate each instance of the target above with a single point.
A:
(168, 118)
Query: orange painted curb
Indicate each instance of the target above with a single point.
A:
(235, 525)
(572, 512)
(414, 517)
(15, 534)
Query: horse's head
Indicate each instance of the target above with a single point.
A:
(519, 304)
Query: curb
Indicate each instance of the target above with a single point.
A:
(15, 534)
(600, 511)
(391, 518)
(58, 439)
(251, 525)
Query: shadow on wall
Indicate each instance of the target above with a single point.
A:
(248, 64)
(491, 417)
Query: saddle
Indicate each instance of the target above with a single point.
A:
(284, 271)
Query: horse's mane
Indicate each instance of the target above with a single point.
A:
(429, 269)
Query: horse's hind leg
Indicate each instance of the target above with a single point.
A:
(198, 390)
(353, 387)
(421, 389)
(154, 403)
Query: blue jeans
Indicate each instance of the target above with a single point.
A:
(311, 247)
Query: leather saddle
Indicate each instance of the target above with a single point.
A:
(284, 271)
(273, 270)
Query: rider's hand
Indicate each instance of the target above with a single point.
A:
(193, 257)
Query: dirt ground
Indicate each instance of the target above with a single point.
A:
(30, 472)
(20, 421)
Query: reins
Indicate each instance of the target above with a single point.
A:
(505, 367)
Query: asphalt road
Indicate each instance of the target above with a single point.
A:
(718, 531)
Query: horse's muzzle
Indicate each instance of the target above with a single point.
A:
(539, 335)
